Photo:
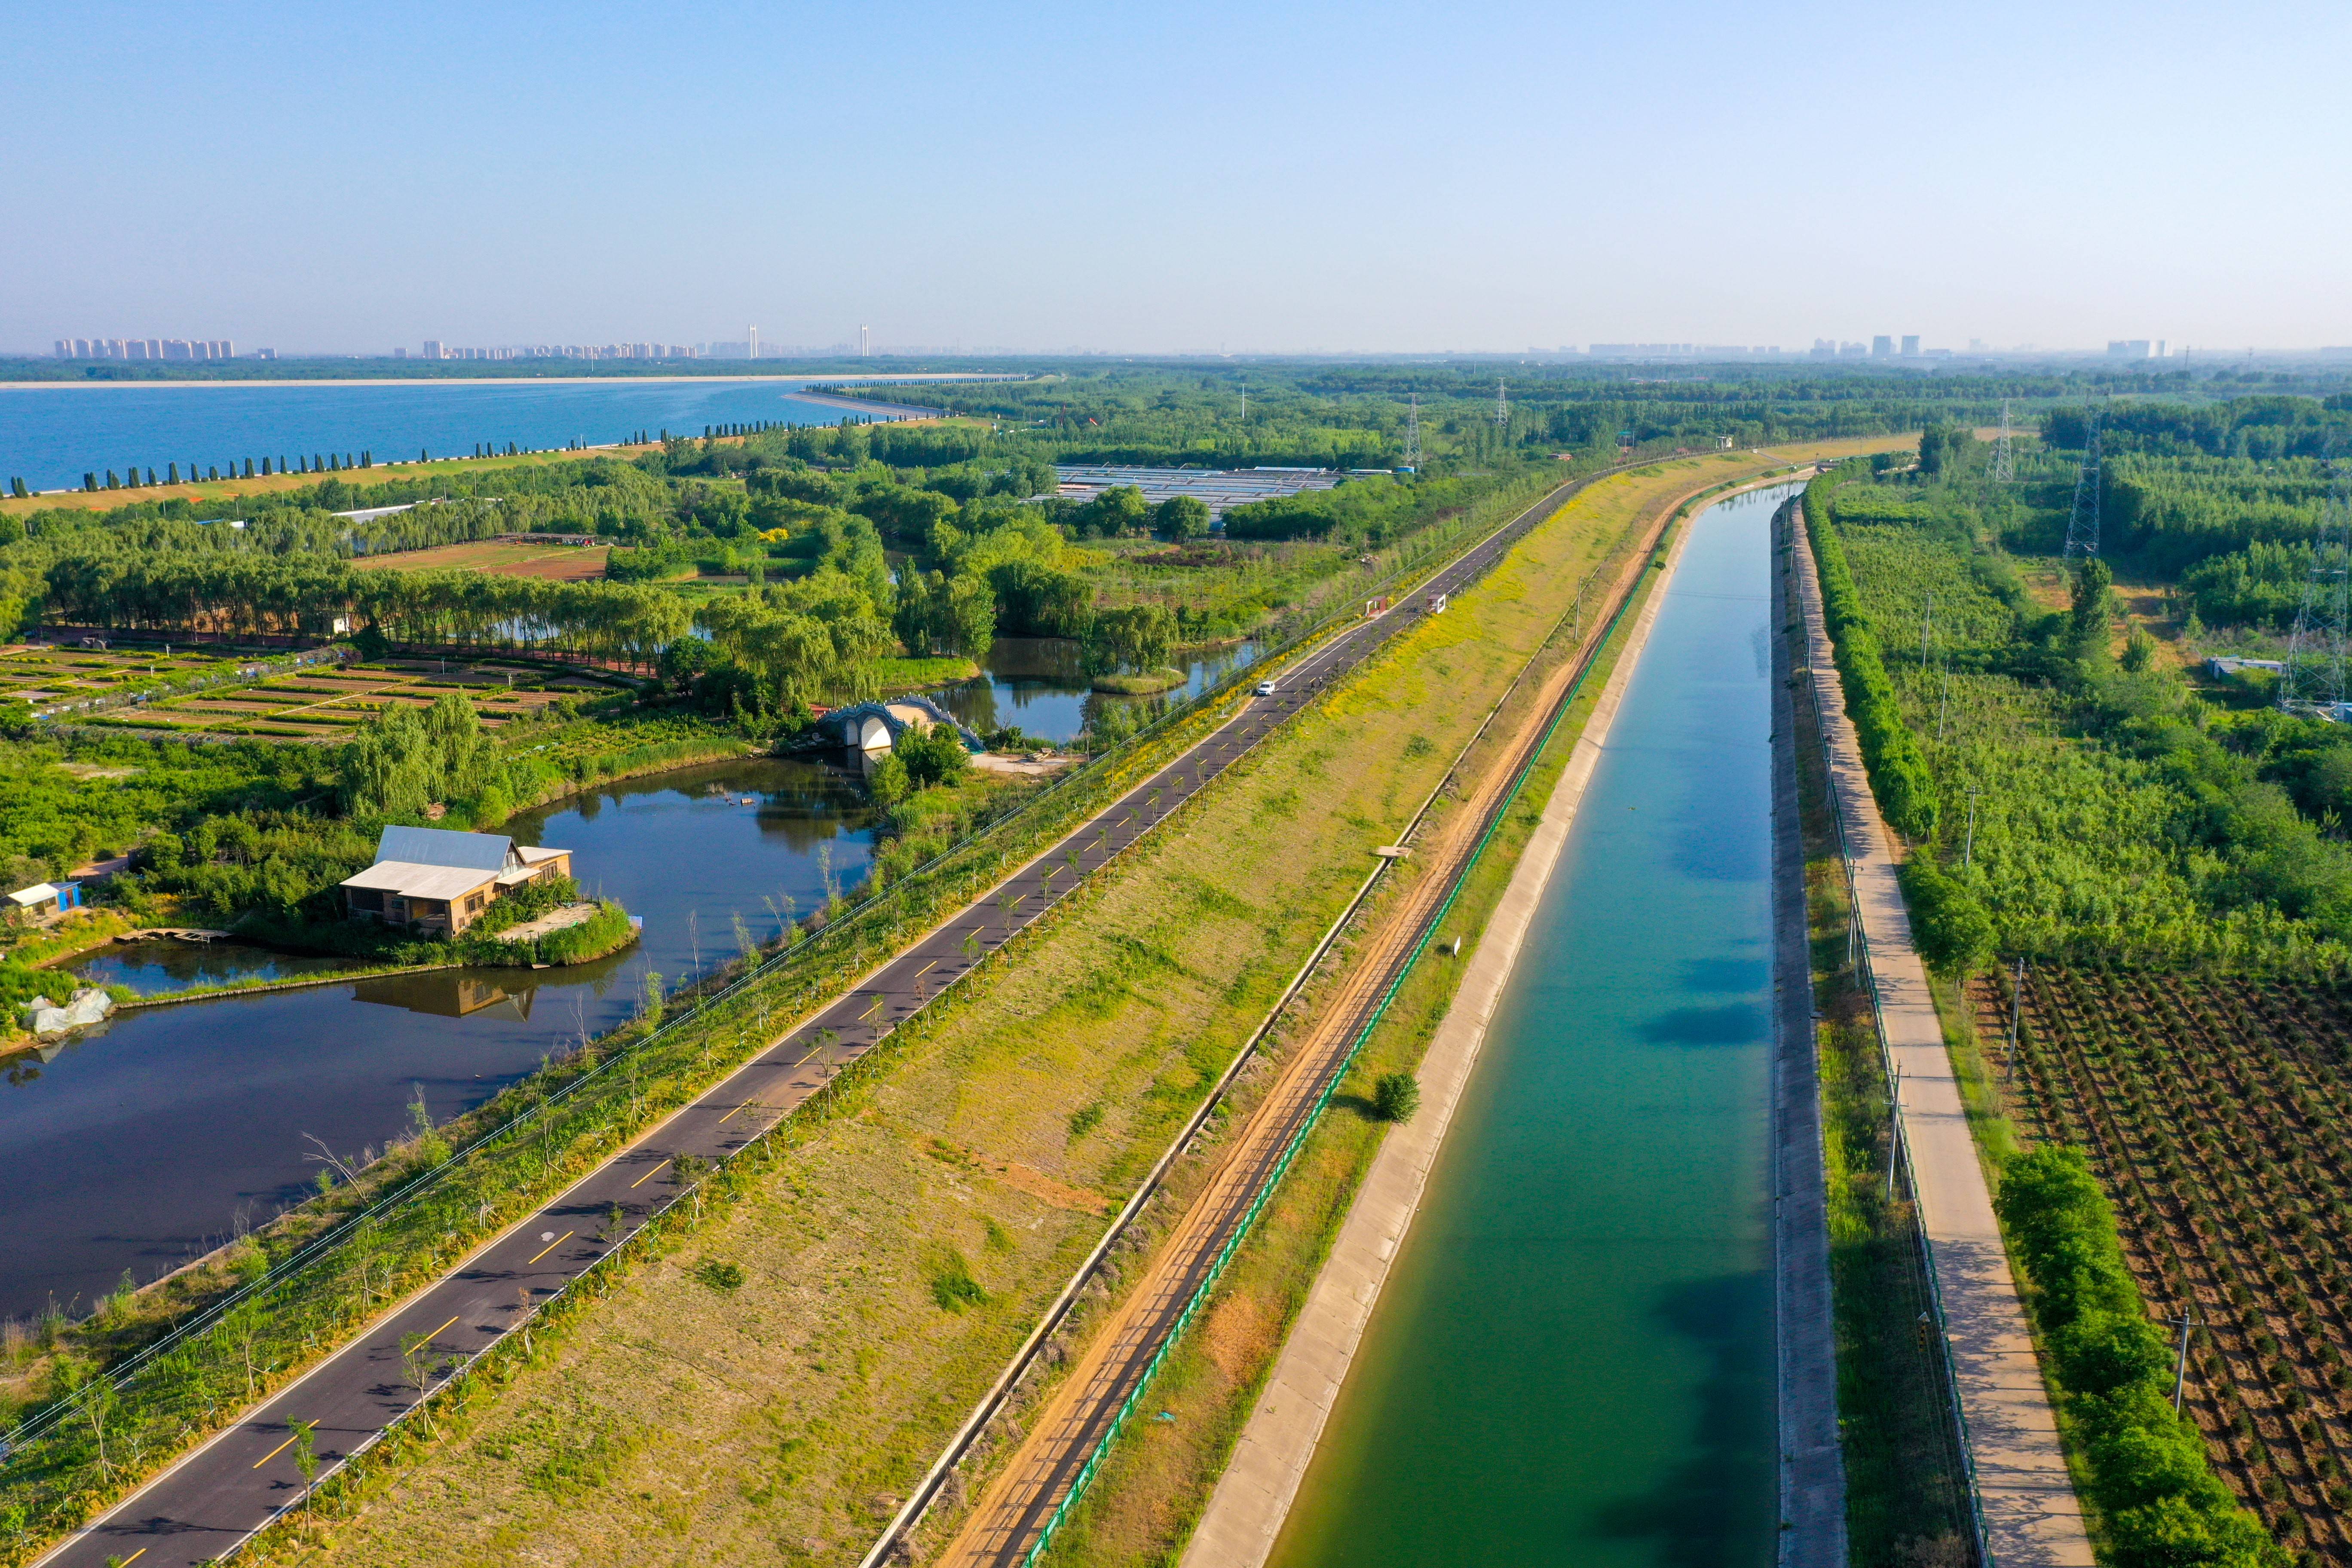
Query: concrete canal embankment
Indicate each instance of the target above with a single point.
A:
(1371, 1488)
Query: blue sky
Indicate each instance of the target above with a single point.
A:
(1256, 177)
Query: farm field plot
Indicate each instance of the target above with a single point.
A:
(51, 677)
(2214, 1112)
(319, 705)
(556, 563)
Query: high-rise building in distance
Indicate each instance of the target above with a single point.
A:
(1882, 346)
(145, 348)
(1910, 346)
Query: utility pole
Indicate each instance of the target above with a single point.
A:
(1967, 853)
(2186, 1321)
(1895, 1133)
(2082, 522)
(2314, 675)
(2016, 1007)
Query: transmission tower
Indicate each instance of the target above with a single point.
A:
(2004, 458)
(2314, 676)
(2082, 522)
(1412, 459)
(1502, 405)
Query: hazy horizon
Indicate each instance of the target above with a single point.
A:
(1312, 179)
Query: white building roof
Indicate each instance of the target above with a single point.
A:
(413, 881)
(38, 893)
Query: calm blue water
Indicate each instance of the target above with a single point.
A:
(141, 1144)
(51, 435)
(1040, 684)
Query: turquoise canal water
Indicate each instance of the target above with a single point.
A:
(51, 435)
(1573, 1360)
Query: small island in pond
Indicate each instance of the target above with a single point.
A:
(508, 902)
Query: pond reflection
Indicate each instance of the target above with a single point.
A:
(1041, 686)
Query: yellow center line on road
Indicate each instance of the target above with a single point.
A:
(736, 1112)
(568, 1235)
(274, 1452)
(640, 1182)
(439, 1331)
(133, 1558)
(927, 969)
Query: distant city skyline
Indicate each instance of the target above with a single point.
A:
(1257, 179)
(1904, 348)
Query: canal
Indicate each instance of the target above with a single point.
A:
(1572, 1358)
(153, 1138)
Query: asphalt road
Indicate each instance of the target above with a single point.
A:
(206, 1506)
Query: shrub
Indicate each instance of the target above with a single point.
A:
(2147, 1470)
(1954, 931)
(1898, 772)
(1396, 1096)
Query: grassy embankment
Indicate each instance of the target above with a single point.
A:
(895, 1252)
(1145, 1499)
(227, 489)
(231, 489)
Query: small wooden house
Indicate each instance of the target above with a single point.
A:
(441, 880)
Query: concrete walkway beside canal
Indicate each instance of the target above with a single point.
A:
(2030, 1513)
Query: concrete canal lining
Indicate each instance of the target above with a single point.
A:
(1247, 1513)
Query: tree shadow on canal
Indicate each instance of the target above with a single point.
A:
(1717, 1508)
(1731, 1024)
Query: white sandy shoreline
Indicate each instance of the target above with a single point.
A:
(787, 382)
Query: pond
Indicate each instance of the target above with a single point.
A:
(153, 1138)
(1040, 684)
(154, 968)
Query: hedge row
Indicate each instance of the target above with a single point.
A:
(2161, 1505)
(1898, 772)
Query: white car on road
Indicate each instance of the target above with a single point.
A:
(1266, 689)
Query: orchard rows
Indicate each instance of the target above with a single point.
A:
(2211, 1110)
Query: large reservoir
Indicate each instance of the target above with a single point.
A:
(52, 434)
(1573, 1360)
